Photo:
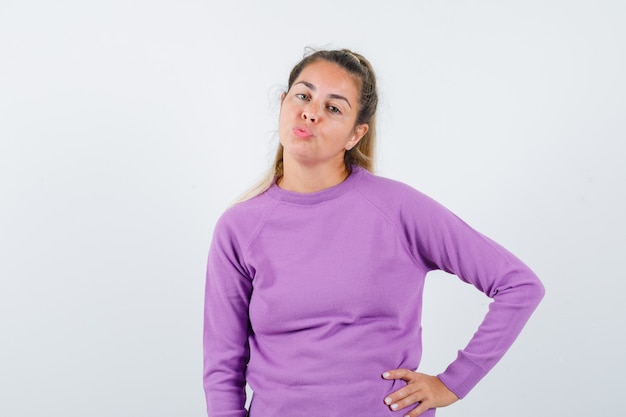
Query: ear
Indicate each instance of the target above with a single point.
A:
(282, 97)
(359, 132)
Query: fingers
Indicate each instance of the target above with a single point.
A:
(406, 396)
(404, 402)
(421, 408)
(424, 390)
(401, 373)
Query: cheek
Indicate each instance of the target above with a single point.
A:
(283, 125)
(282, 116)
(286, 113)
(345, 131)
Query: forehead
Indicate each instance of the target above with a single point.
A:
(325, 75)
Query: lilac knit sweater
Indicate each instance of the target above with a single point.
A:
(310, 297)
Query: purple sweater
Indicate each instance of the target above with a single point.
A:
(310, 297)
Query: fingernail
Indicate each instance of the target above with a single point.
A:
(387, 400)
(394, 407)
(386, 375)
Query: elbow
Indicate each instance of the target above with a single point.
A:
(534, 289)
(538, 291)
(523, 290)
(532, 292)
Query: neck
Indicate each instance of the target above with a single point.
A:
(304, 179)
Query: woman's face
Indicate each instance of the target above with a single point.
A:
(318, 115)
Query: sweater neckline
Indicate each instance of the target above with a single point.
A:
(318, 196)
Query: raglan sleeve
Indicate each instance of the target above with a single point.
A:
(446, 242)
(225, 340)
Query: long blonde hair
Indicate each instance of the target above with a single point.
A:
(363, 153)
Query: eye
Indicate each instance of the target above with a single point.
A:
(302, 96)
(334, 110)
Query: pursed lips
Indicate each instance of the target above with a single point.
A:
(302, 132)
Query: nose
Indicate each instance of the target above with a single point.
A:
(309, 114)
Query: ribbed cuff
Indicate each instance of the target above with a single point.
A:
(462, 375)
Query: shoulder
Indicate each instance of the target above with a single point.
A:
(406, 206)
(241, 220)
(392, 195)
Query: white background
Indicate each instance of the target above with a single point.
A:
(127, 127)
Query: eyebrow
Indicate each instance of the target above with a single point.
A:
(336, 96)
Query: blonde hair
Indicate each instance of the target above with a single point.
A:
(363, 153)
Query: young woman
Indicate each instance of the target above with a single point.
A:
(314, 282)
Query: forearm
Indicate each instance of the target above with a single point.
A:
(507, 315)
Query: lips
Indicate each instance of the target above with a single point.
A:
(302, 132)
